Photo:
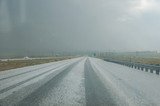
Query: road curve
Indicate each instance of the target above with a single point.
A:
(81, 81)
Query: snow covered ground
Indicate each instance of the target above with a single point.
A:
(18, 83)
(136, 88)
(79, 82)
(67, 89)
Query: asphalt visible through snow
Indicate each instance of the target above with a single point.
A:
(83, 81)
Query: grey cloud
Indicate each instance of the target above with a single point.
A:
(76, 25)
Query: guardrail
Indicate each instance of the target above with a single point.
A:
(139, 66)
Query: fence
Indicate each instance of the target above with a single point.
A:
(143, 67)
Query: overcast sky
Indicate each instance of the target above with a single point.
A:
(65, 25)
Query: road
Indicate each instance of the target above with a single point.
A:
(83, 81)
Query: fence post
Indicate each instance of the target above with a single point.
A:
(151, 70)
(135, 67)
(157, 72)
(146, 69)
(142, 68)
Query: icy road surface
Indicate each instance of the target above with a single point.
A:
(79, 82)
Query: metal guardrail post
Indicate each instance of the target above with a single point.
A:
(157, 71)
(143, 67)
(151, 70)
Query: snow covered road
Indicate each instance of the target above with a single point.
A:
(79, 82)
(129, 86)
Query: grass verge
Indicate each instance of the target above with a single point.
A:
(12, 64)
